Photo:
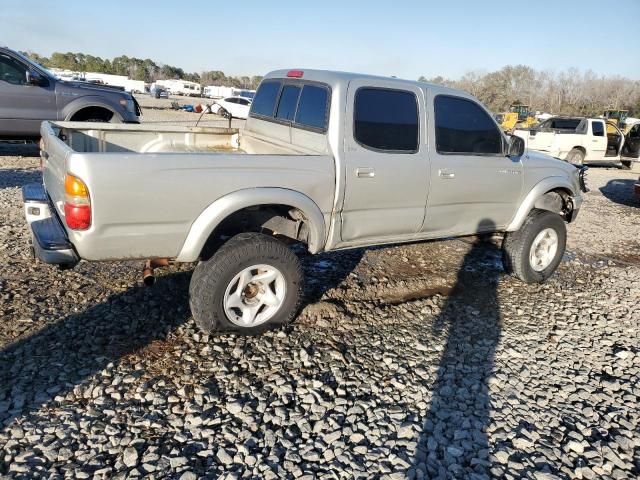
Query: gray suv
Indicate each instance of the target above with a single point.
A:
(30, 94)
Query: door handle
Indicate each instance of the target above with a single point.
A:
(446, 174)
(365, 172)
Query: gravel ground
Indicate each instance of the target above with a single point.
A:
(417, 361)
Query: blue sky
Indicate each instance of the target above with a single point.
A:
(402, 38)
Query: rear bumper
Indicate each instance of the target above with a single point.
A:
(50, 241)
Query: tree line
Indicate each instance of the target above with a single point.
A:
(570, 92)
(139, 69)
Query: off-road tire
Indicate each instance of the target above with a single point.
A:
(211, 278)
(576, 157)
(516, 246)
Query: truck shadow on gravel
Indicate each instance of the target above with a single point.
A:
(63, 355)
(454, 442)
(620, 191)
(17, 177)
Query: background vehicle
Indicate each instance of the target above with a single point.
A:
(158, 91)
(181, 87)
(328, 160)
(577, 140)
(236, 107)
(29, 94)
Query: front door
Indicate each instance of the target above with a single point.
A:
(475, 186)
(23, 107)
(386, 161)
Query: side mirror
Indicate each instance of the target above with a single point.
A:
(516, 146)
(34, 78)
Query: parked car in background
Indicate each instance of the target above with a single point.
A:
(30, 94)
(576, 140)
(158, 91)
(327, 160)
(235, 107)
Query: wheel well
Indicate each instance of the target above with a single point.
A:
(284, 222)
(91, 113)
(558, 201)
(582, 149)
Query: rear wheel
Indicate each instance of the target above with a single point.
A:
(251, 284)
(576, 156)
(534, 252)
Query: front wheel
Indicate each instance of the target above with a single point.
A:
(534, 252)
(251, 284)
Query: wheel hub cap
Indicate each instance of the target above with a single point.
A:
(254, 295)
(543, 249)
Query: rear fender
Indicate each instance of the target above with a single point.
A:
(85, 102)
(222, 208)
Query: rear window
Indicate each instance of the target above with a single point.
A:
(386, 119)
(303, 105)
(288, 102)
(565, 123)
(312, 107)
(264, 102)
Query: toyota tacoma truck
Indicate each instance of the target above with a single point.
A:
(328, 160)
(30, 94)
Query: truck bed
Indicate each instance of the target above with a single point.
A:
(148, 183)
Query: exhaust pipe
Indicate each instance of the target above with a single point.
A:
(148, 276)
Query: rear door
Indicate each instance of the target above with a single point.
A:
(23, 107)
(597, 143)
(475, 186)
(386, 161)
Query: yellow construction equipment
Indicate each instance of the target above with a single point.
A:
(617, 117)
(518, 116)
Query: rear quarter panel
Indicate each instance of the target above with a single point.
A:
(143, 205)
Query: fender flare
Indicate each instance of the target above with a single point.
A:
(544, 186)
(87, 102)
(219, 210)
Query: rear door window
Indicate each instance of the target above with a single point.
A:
(598, 129)
(386, 120)
(288, 102)
(264, 102)
(12, 71)
(462, 126)
(312, 107)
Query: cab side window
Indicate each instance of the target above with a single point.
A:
(386, 120)
(598, 129)
(463, 127)
(12, 71)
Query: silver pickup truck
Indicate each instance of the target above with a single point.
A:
(326, 159)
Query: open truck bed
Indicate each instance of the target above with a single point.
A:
(147, 185)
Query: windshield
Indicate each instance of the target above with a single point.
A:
(35, 64)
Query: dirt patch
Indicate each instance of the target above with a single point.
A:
(409, 295)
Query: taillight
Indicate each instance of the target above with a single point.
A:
(77, 205)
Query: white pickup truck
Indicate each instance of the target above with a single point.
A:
(328, 160)
(577, 140)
